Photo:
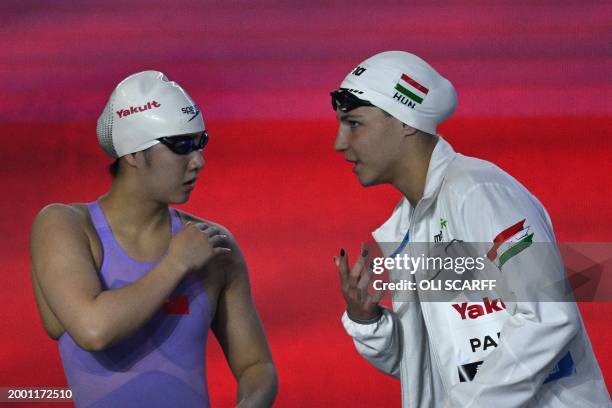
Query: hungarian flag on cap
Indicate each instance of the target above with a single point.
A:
(411, 88)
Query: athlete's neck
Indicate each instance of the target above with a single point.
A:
(411, 177)
(131, 211)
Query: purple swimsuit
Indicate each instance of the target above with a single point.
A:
(163, 364)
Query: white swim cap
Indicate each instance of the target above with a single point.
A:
(142, 108)
(404, 86)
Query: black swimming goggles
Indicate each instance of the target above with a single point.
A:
(186, 144)
(345, 100)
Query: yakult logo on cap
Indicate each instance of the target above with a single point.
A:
(135, 109)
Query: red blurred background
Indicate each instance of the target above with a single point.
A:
(534, 90)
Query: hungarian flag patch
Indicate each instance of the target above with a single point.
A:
(411, 89)
(509, 243)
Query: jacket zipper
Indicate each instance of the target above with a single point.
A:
(426, 320)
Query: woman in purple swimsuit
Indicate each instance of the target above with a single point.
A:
(130, 286)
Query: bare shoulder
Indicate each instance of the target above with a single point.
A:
(64, 228)
(70, 224)
(57, 214)
(58, 221)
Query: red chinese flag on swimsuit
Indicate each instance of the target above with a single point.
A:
(176, 305)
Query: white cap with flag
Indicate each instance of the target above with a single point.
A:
(406, 87)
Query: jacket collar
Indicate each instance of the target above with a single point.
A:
(396, 227)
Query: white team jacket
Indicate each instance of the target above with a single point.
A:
(525, 353)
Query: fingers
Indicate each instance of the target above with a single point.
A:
(377, 296)
(207, 229)
(221, 251)
(350, 276)
(212, 231)
(364, 282)
(353, 277)
(342, 264)
(365, 278)
(202, 226)
(219, 240)
(355, 282)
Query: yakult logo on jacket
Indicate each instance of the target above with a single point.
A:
(467, 311)
(135, 109)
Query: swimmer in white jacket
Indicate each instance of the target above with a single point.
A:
(508, 348)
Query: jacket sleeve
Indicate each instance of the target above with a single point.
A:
(379, 342)
(536, 335)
